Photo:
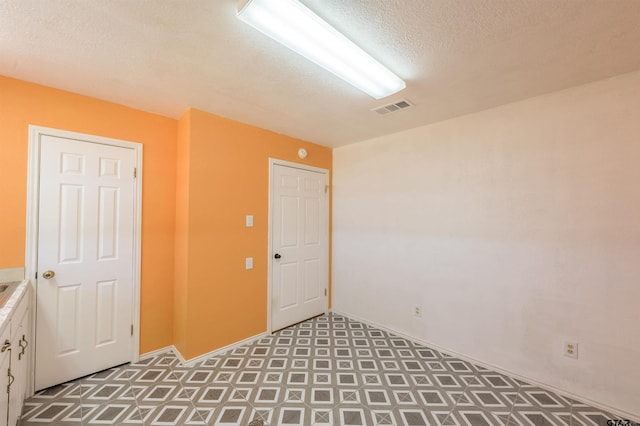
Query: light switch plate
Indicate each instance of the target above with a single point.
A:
(248, 263)
(249, 221)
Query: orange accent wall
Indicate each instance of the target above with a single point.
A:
(202, 175)
(227, 171)
(23, 103)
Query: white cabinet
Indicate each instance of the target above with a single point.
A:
(5, 361)
(14, 360)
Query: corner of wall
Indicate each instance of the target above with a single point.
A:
(181, 254)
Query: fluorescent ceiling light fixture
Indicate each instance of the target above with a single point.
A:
(292, 24)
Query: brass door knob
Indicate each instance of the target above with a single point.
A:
(48, 275)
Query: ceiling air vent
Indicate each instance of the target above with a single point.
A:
(394, 107)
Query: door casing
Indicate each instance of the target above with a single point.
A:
(31, 255)
(273, 162)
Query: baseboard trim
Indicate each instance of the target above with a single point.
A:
(563, 392)
(157, 352)
(221, 351)
(12, 274)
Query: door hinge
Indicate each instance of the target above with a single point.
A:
(325, 291)
(326, 189)
(135, 172)
(131, 329)
(36, 275)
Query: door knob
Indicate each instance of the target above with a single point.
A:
(277, 256)
(48, 275)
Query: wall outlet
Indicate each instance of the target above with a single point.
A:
(571, 349)
(417, 311)
(248, 263)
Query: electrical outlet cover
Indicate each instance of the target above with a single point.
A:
(571, 349)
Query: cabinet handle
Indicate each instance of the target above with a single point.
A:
(22, 347)
(11, 379)
(6, 346)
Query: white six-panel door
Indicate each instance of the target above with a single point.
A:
(86, 238)
(300, 245)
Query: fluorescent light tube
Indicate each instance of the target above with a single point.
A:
(292, 24)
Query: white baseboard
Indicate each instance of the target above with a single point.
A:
(563, 392)
(221, 351)
(11, 274)
(157, 352)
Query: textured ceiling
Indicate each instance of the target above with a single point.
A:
(457, 56)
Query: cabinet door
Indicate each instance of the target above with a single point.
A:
(19, 364)
(5, 358)
(14, 407)
(19, 360)
(15, 402)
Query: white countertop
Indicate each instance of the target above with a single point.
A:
(7, 309)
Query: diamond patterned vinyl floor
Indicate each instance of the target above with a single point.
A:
(330, 370)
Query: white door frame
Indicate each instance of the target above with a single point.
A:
(273, 162)
(33, 193)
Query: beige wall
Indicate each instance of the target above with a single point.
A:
(515, 229)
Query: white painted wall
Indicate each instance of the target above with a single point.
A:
(515, 229)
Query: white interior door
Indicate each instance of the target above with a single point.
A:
(84, 313)
(300, 244)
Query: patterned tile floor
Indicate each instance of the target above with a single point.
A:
(330, 370)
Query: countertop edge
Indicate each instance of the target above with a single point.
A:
(12, 303)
